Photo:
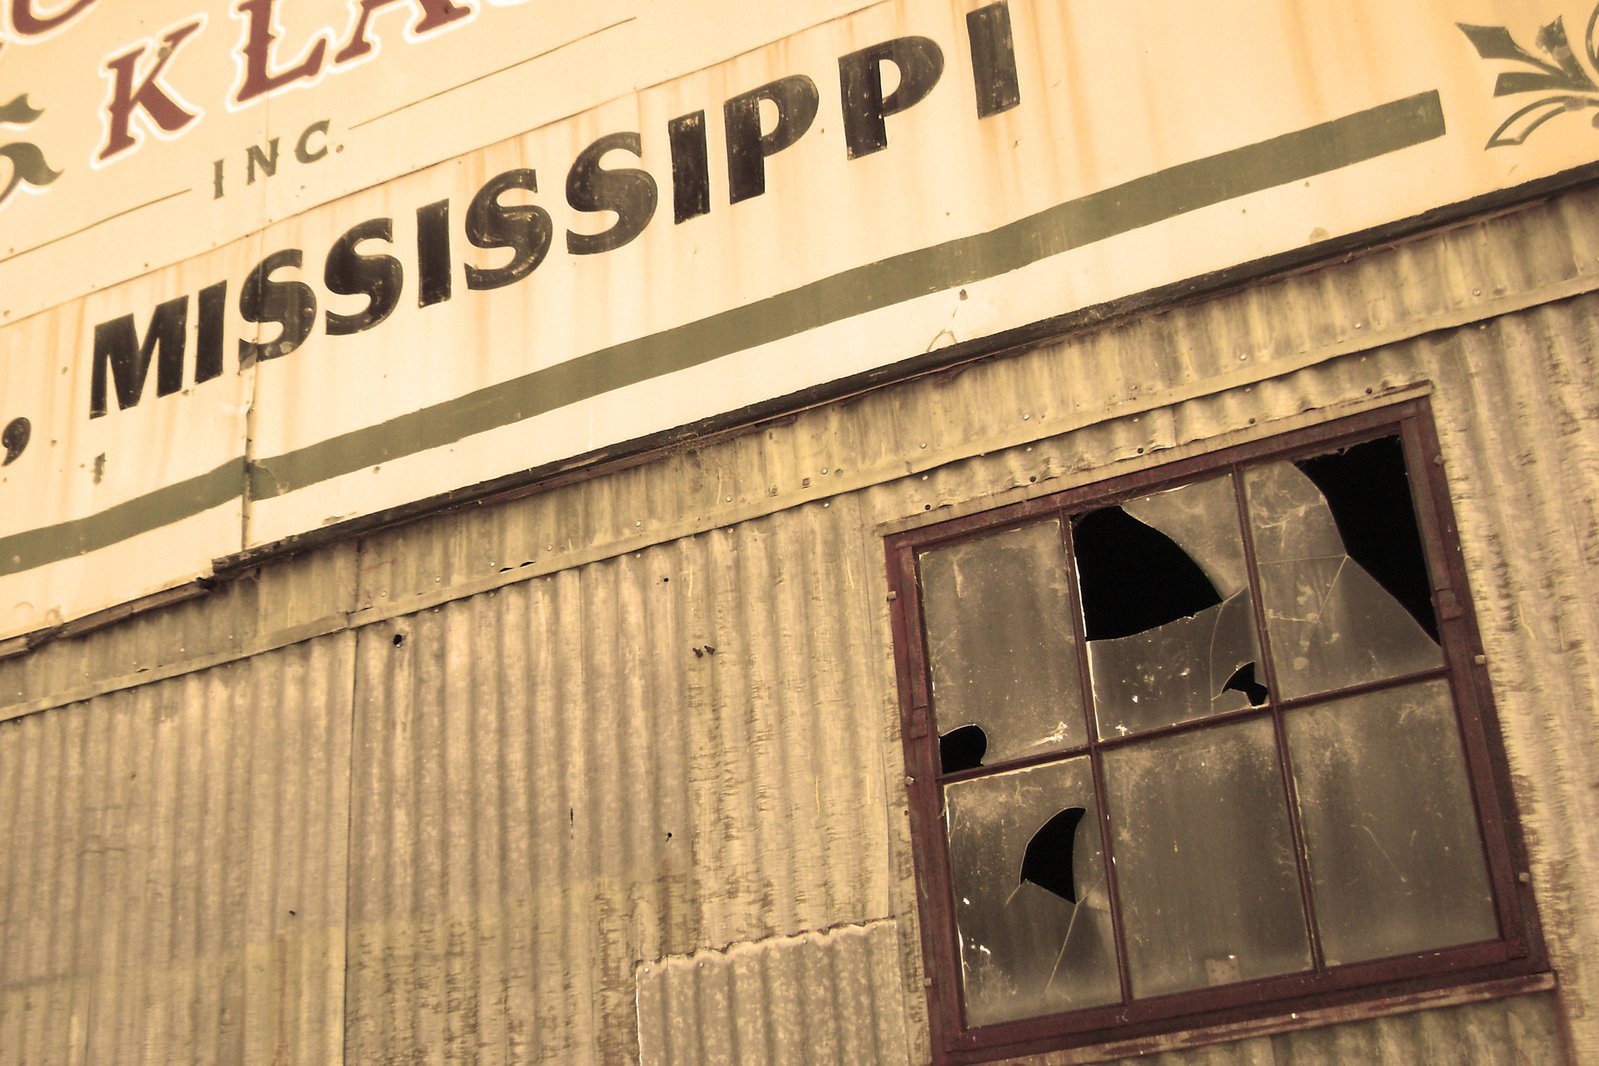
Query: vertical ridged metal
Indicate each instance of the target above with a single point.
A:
(559, 780)
(174, 884)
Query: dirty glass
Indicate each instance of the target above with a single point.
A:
(1031, 905)
(1202, 518)
(1205, 863)
(1175, 672)
(1000, 641)
(1395, 856)
(1188, 667)
(1331, 625)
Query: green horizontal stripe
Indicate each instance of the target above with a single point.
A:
(1135, 204)
(36, 547)
(1130, 206)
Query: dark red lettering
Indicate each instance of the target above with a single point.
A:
(27, 24)
(436, 14)
(130, 93)
(259, 39)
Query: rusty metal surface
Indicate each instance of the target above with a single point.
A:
(699, 647)
(173, 883)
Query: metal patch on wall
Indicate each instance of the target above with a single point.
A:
(828, 996)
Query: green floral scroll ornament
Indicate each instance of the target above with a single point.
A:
(1562, 81)
(26, 163)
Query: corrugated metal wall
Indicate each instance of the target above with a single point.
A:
(545, 744)
(174, 875)
(565, 776)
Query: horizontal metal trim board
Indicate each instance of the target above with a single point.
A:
(1120, 209)
(1249, 374)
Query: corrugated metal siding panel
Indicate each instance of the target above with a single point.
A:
(828, 997)
(1522, 441)
(667, 751)
(174, 874)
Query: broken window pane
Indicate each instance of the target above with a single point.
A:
(1031, 905)
(1368, 491)
(1330, 623)
(1202, 519)
(1180, 554)
(1000, 641)
(1395, 857)
(1133, 577)
(1205, 860)
(1175, 672)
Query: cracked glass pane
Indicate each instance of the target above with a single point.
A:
(1205, 860)
(1000, 644)
(1395, 856)
(1202, 519)
(1176, 672)
(1180, 553)
(1031, 905)
(1331, 625)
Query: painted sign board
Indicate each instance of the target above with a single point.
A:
(262, 273)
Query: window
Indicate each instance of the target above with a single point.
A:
(1205, 743)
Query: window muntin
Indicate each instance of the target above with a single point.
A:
(1256, 721)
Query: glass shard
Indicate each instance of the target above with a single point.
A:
(1202, 518)
(1181, 667)
(1000, 641)
(1204, 858)
(1330, 624)
(1395, 856)
(1368, 492)
(1173, 673)
(1021, 844)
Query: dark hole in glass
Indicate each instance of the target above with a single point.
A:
(962, 749)
(1369, 496)
(1243, 680)
(1134, 577)
(1047, 862)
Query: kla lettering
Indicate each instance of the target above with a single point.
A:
(366, 273)
(147, 91)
